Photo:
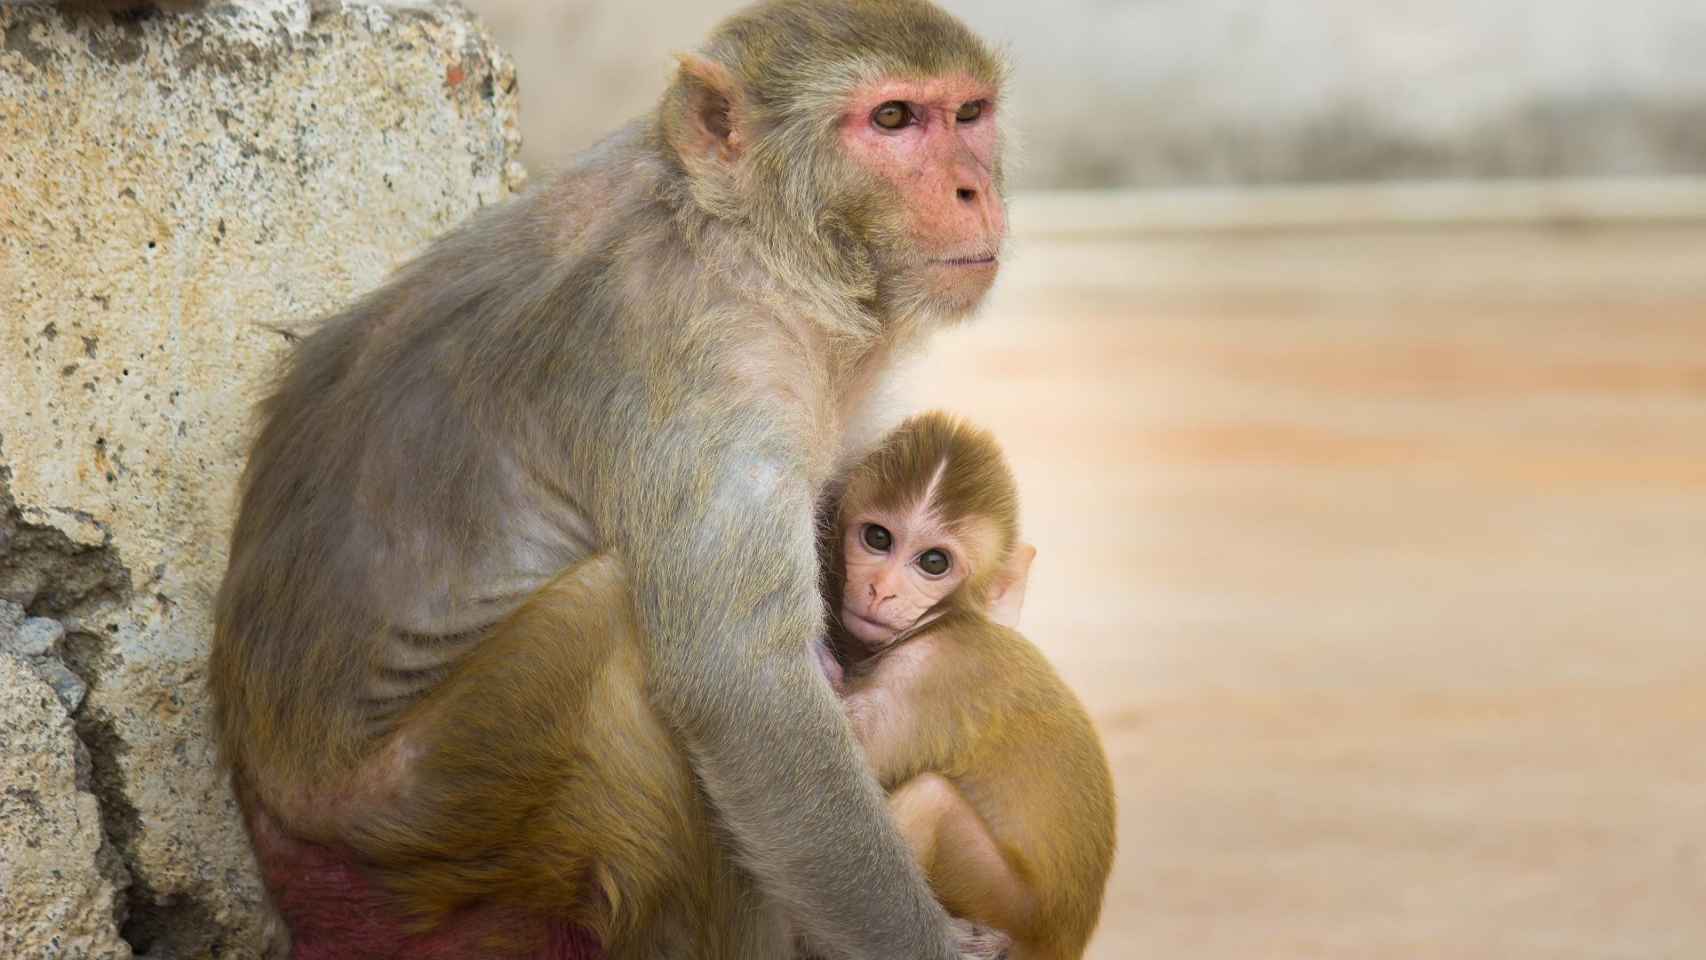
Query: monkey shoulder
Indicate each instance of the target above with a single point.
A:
(1019, 708)
(1036, 764)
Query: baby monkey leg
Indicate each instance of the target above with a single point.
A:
(960, 857)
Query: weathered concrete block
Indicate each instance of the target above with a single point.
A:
(11, 618)
(36, 637)
(58, 878)
(177, 195)
(66, 684)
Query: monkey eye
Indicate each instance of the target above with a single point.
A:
(934, 562)
(892, 115)
(969, 111)
(877, 538)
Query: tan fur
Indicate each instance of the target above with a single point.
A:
(999, 781)
(643, 375)
(962, 469)
(546, 781)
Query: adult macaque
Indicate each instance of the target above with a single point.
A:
(609, 407)
(995, 774)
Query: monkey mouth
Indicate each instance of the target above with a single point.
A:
(872, 633)
(980, 261)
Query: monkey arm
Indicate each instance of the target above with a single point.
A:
(908, 716)
(885, 724)
(722, 545)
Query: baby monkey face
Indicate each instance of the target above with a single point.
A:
(898, 566)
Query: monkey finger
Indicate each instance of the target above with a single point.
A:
(978, 942)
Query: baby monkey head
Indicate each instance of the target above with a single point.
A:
(929, 520)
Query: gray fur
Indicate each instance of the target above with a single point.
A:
(565, 375)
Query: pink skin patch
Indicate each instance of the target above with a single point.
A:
(943, 166)
(334, 912)
(830, 667)
(888, 589)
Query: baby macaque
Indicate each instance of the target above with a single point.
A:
(994, 772)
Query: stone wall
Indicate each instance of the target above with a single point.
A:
(178, 196)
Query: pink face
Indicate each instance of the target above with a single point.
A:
(897, 567)
(936, 141)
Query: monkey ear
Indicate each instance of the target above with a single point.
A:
(1007, 592)
(706, 124)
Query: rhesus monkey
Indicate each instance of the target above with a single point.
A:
(515, 641)
(995, 774)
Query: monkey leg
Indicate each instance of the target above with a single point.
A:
(335, 910)
(960, 857)
(539, 777)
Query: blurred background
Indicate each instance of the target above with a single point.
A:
(1165, 93)
(1352, 357)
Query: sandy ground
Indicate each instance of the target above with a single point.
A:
(1379, 557)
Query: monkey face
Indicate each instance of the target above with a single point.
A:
(936, 143)
(898, 566)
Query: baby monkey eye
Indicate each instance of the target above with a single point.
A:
(892, 115)
(934, 562)
(969, 111)
(877, 538)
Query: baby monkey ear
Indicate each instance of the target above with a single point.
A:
(1007, 590)
(704, 120)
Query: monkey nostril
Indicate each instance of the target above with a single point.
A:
(965, 194)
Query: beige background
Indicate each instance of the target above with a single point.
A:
(1191, 92)
(1377, 555)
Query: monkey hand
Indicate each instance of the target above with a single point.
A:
(977, 942)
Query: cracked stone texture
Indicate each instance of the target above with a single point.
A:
(57, 891)
(37, 642)
(178, 194)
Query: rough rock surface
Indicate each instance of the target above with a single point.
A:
(178, 194)
(57, 875)
(38, 642)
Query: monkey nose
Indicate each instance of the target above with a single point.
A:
(976, 201)
(877, 601)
